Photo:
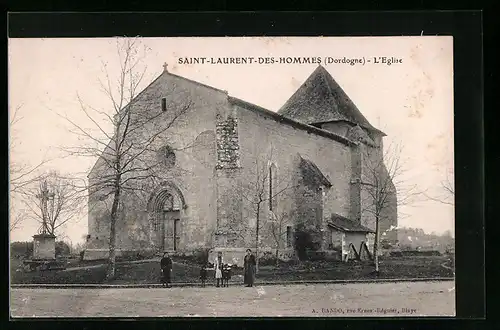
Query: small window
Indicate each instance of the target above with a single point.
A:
(288, 236)
(164, 104)
(167, 156)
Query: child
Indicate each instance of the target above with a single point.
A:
(203, 275)
(226, 275)
(218, 265)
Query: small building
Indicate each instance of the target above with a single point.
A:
(349, 238)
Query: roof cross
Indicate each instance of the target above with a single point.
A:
(165, 65)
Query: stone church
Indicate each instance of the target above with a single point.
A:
(251, 177)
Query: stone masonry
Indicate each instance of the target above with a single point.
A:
(230, 137)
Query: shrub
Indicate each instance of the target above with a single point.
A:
(21, 248)
(304, 243)
(316, 255)
(413, 253)
(62, 249)
(198, 256)
(267, 259)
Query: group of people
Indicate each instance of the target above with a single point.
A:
(223, 271)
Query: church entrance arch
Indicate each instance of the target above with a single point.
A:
(165, 210)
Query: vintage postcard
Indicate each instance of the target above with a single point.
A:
(231, 176)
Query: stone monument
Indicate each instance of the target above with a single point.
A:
(44, 243)
(44, 246)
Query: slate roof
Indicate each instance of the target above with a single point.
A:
(321, 99)
(344, 224)
(312, 174)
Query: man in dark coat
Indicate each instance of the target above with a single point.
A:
(249, 268)
(166, 270)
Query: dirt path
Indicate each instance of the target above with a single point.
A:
(323, 300)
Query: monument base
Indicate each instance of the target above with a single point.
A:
(44, 246)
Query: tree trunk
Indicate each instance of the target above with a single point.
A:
(112, 235)
(375, 244)
(278, 245)
(257, 220)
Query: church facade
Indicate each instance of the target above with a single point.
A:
(233, 175)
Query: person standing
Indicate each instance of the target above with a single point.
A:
(218, 264)
(166, 270)
(249, 268)
(203, 275)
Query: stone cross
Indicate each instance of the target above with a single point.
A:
(45, 195)
(165, 65)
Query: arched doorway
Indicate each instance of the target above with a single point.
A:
(165, 209)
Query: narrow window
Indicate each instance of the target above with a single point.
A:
(164, 104)
(288, 236)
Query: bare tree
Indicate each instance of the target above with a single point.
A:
(123, 165)
(383, 180)
(52, 201)
(261, 190)
(15, 218)
(447, 191)
(278, 231)
(21, 175)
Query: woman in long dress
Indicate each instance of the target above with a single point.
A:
(249, 267)
(166, 270)
(218, 264)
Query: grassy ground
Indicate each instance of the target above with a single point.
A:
(149, 272)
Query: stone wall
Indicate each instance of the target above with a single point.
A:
(193, 139)
(228, 155)
(218, 148)
(229, 227)
(339, 127)
(277, 142)
(355, 189)
(372, 164)
(337, 239)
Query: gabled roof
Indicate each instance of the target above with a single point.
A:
(321, 99)
(346, 225)
(311, 173)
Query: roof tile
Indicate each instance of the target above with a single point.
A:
(321, 99)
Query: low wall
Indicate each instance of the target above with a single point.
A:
(99, 254)
(235, 256)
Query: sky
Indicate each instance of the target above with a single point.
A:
(411, 100)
